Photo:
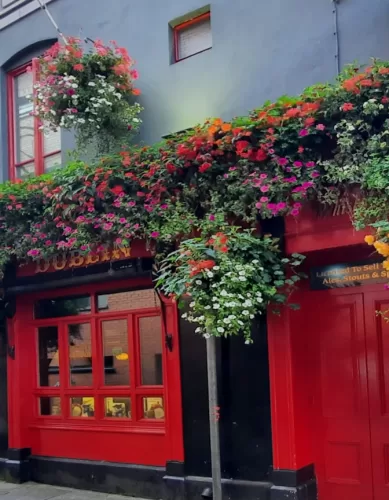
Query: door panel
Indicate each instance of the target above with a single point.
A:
(377, 338)
(343, 463)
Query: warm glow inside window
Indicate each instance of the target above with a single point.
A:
(31, 151)
(193, 36)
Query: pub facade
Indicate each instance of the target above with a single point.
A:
(103, 384)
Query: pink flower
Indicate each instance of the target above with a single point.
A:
(48, 243)
(320, 126)
(231, 169)
(118, 241)
(303, 132)
(310, 164)
(34, 252)
(298, 164)
(281, 205)
(290, 179)
(297, 205)
(264, 189)
(307, 185)
(282, 161)
(107, 226)
(294, 212)
(263, 176)
(122, 220)
(110, 216)
(264, 199)
(84, 248)
(164, 206)
(154, 234)
(80, 218)
(132, 204)
(211, 217)
(272, 206)
(315, 174)
(258, 205)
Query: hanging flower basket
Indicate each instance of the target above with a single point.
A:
(91, 91)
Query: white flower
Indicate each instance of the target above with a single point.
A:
(184, 316)
(220, 329)
(206, 336)
(247, 303)
(223, 293)
(207, 307)
(201, 318)
(242, 278)
(251, 316)
(255, 261)
(92, 84)
(227, 321)
(247, 341)
(242, 273)
(216, 268)
(198, 330)
(198, 282)
(240, 322)
(192, 304)
(210, 274)
(245, 312)
(216, 306)
(259, 299)
(232, 316)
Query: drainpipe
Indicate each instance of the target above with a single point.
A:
(336, 34)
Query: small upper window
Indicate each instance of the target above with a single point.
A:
(31, 152)
(192, 37)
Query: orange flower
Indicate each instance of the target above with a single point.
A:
(385, 265)
(383, 71)
(226, 127)
(369, 239)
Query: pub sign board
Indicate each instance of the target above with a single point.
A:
(348, 275)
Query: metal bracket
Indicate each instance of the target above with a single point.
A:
(169, 341)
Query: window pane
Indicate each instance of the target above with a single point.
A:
(51, 141)
(48, 350)
(153, 408)
(80, 354)
(115, 352)
(151, 350)
(25, 171)
(52, 162)
(24, 122)
(195, 38)
(50, 406)
(82, 407)
(128, 300)
(117, 407)
(65, 306)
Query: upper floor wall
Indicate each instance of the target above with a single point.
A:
(260, 50)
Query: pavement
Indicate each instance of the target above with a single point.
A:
(33, 491)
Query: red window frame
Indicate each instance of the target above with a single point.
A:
(39, 156)
(136, 391)
(180, 27)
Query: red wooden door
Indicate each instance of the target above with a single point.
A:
(377, 338)
(343, 446)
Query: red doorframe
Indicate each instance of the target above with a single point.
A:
(28, 431)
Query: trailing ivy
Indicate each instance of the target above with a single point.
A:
(215, 179)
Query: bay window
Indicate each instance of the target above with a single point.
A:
(31, 151)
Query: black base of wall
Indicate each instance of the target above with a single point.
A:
(139, 481)
(294, 484)
(152, 482)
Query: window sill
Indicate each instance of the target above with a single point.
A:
(91, 427)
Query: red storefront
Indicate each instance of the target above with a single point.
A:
(105, 387)
(328, 366)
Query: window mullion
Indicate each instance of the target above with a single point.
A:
(133, 366)
(38, 135)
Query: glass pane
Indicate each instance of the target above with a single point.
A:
(48, 350)
(80, 354)
(50, 406)
(51, 141)
(128, 300)
(195, 38)
(65, 306)
(52, 162)
(82, 407)
(117, 407)
(151, 350)
(115, 352)
(24, 122)
(25, 171)
(153, 408)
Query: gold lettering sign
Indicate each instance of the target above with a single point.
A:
(346, 275)
(76, 259)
